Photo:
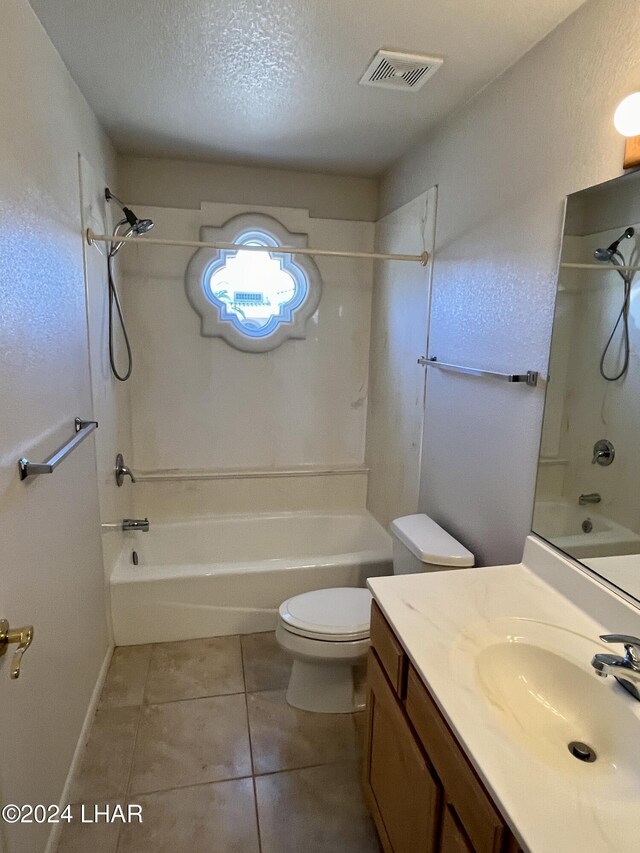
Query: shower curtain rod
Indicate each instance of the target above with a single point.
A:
(287, 250)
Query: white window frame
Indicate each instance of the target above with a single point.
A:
(215, 321)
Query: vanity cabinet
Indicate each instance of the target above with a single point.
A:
(422, 791)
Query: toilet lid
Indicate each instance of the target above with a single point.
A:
(342, 613)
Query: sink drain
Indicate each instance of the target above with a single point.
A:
(582, 751)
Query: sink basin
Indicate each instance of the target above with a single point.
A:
(546, 699)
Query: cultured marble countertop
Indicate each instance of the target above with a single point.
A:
(552, 802)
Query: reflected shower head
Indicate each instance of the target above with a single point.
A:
(612, 250)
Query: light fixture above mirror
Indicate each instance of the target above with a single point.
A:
(627, 122)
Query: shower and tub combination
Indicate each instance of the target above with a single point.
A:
(213, 573)
(228, 574)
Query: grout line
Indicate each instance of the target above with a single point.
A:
(298, 768)
(133, 795)
(193, 698)
(186, 699)
(135, 739)
(253, 771)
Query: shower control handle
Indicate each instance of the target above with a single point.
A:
(122, 471)
(603, 453)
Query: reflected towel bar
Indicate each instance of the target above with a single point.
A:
(30, 469)
(529, 378)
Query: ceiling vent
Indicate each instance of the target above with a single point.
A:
(405, 72)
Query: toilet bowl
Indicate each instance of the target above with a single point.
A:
(326, 631)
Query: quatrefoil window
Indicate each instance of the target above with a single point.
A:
(254, 300)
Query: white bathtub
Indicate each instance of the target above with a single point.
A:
(228, 574)
(561, 522)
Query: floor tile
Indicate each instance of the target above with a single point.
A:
(318, 810)
(104, 769)
(216, 818)
(126, 678)
(194, 668)
(99, 837)
(186, 743)
(284, 738)
(266, 665)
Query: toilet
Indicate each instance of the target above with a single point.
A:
(326, 631)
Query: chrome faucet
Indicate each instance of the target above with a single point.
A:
(625, 670)
(593, 498)
(122, 471)
(141, 524)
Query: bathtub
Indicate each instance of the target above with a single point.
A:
(225, 575)
(561, 523)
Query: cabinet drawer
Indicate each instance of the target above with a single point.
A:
(388, 649)
(481, 822)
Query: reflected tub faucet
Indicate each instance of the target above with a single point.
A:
(140, 524)
(592, 498)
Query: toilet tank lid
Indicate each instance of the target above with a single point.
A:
(429, 542)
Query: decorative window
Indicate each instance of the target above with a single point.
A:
(254, 300)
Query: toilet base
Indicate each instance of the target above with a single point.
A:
(325, 688)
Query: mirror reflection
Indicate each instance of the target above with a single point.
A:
(588, 490)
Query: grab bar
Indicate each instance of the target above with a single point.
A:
(30, 469)
(529, 378)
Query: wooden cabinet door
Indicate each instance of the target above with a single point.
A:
(402, 794)
(454, 839)
(483, 825)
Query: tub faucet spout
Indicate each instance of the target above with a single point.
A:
(141, 524)
(593, 498)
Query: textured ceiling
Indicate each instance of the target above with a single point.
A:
(274, 82)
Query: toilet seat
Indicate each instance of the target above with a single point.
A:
(341, 614)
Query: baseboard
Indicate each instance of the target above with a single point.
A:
(54, 835)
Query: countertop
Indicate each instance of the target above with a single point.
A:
(552, 802)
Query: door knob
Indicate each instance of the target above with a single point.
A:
(22, 636)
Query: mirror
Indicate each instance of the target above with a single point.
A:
(587, 500)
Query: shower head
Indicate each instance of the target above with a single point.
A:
(133, 224)
(612, 250)
(143, 226)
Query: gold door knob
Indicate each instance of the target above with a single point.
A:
(22, 636)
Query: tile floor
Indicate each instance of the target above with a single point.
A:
(199, 734)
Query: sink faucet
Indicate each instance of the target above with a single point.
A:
(593, 498)
(626, 670)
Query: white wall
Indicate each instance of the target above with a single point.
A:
(503, 165)
(49, 528)
(198, 403)
(396, 382)
(181, 183)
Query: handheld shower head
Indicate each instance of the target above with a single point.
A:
(612, 250)
(135, 225)
(143, 226)
(125, 228)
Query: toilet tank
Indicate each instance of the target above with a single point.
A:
(421, 545)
